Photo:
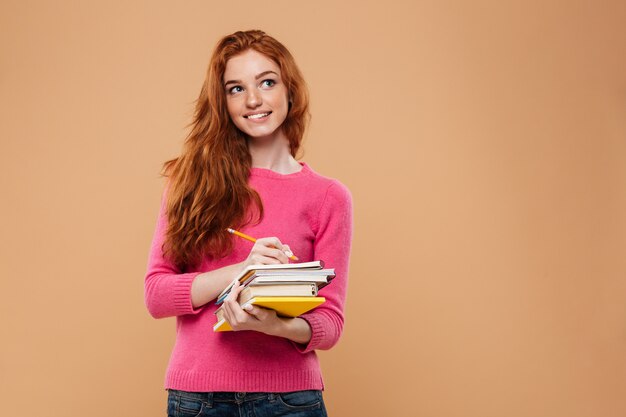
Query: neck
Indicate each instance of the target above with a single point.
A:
(273, 154)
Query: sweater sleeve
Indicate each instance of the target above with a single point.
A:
(167, 291)
(333, 239)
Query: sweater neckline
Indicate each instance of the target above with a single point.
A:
(268, 173)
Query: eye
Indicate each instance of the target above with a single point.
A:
(235, 89)
(268, 83)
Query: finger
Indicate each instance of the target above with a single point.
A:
(229, 307)
(254, 311)
(227, 316)
(274, 252)
(250, 309)
(235, 316)
(271, 242)
(230, 302)
(266, 250)
(288, 252)
(263, 260)
(268, 254)
(279, 255)
(234, 292)
(237, 288)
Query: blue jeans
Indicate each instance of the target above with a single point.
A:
(249, 404)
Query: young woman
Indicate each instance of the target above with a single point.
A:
(237, 170)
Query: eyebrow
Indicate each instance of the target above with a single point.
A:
(256, 78)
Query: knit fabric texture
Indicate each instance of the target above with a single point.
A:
(313, 215)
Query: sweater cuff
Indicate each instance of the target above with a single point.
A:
(182, 294)
(317, 333)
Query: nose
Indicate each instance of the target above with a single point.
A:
(254, 98)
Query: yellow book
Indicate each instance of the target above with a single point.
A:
(284, 306)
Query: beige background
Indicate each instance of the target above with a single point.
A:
(485, 146)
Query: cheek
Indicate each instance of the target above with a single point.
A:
(233, 113)
(281, 103)
(231, 108)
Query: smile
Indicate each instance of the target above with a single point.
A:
(258, 115)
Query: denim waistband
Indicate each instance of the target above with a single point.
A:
(234, 397)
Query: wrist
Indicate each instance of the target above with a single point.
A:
(294, 329)
(280, 327)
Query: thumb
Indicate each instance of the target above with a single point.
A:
(250, 309)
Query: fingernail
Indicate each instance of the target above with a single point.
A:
(248, 307)
(288, 253)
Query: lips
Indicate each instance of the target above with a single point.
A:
(257, 115)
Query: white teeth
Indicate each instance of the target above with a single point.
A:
(257, 116)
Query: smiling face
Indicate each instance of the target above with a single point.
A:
(256, 98)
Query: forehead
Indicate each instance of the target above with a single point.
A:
(247, 65)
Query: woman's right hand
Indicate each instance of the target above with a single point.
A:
(268, 251)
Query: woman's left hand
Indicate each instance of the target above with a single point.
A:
(252, 318)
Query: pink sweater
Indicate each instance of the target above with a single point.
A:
(310, 213)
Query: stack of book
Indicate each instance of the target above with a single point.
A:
(289, 289)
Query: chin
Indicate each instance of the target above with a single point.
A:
(261, 134)
(261, 137)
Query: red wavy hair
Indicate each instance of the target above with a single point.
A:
(208, 187)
